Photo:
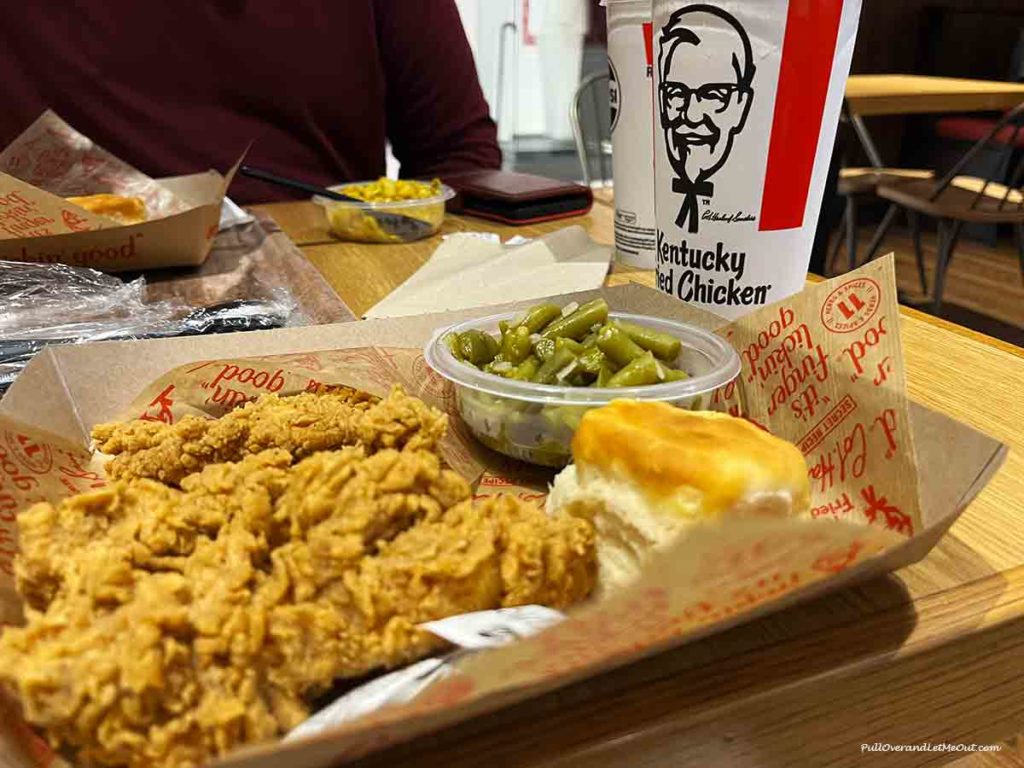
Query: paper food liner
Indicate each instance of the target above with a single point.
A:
(26, 211)
(54, 157)
(823, 369)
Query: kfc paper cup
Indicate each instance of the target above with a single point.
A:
(630, 70)
(746, 102)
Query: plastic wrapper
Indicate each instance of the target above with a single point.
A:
(45, 304)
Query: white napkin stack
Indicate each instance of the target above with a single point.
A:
(468, 271)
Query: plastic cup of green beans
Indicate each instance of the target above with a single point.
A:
(523, 380)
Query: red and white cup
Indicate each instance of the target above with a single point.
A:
(747, 98)
(630, 70)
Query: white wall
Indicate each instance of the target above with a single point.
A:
(469, 10)
(537, 88)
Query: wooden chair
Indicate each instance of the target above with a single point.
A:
(856, 185)
(590, 115)
(956, 199)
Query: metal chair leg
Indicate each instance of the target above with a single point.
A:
(914, 221)
(949, 232)
(851, 233)
(881, 232)
(1019, 230)
(830, 265)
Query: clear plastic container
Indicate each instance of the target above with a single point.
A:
(536, 422)
(348, 221)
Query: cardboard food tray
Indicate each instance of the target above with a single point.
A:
(51, 161)
(716, 578)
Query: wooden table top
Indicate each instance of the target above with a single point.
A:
(931, 653)
(916, 94)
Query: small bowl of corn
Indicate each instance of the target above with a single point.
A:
(423, 200)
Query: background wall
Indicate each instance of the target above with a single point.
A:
(954, 38)
(529, 57)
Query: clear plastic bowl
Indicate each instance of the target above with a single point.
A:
(536, 422)
(348, 221)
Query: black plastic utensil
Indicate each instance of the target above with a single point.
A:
(405, 228)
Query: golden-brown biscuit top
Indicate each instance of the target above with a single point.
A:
(664, 450)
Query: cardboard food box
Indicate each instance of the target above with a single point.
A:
(823, 368)
(51, 161)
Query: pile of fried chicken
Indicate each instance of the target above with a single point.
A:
(235, 568)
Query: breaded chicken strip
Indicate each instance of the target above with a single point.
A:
(497, 553)
(88, 543)
(301, 424)
(167, 626)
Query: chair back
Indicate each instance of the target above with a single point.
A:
(590, 114)
(1003, 139)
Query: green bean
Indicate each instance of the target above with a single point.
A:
(478, 347)
(564, 342)
(526, 370)
(515, 345)
(539, 317)
(472, 348)
(493, 345)
(583, 347)
(578, 379)
(617, 345)
(496, 365)
(578, 324)
(639, 373)
(544, 348)
(672, 374)
(592, 361)
(561, 360)
(663, 345)
(451, 340)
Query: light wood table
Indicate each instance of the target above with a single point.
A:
(933, 653)
(869, 95)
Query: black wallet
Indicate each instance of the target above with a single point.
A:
(516, 198)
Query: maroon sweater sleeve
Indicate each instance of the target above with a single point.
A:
(437, 118)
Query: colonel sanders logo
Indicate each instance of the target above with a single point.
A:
(706, 68)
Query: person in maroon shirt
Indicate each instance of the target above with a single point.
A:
(318, 86)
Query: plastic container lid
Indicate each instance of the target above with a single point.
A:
(446, 194)
(720, 358)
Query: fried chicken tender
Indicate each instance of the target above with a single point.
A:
(301, 424)
(166, 626)
(498, 553)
